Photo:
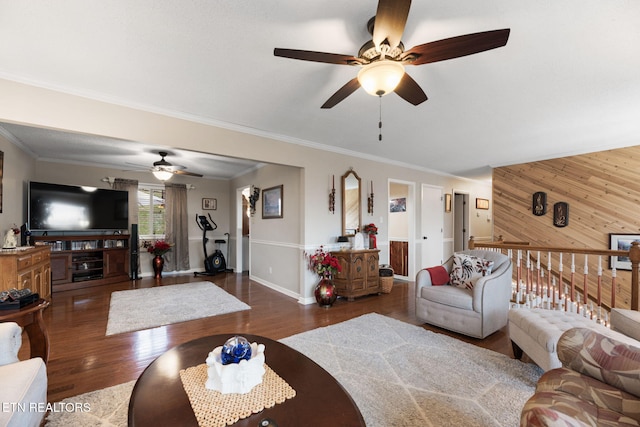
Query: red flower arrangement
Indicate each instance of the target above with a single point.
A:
(323, 263)
(159, 248)
(370, 229)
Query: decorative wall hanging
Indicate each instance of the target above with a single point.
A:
(332, 195)
(482, 204)
(561, 214)
(272, 202)
(370, 201)
(539, 203)
(447, 202)
(209, 204)
(253, 199)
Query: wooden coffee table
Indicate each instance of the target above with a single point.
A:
(159, 399)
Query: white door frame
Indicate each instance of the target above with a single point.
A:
(239, 238)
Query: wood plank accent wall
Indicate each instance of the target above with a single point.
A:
(603, 193)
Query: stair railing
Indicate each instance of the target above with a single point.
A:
(540, 278)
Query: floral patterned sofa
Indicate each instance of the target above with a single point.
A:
(597, 385)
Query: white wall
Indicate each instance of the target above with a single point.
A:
(308, 171)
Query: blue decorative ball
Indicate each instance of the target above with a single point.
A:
(235, 349)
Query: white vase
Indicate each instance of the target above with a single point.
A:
(235, 377)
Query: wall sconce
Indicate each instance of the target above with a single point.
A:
(253, 199)
(332, 195)
(370, 201)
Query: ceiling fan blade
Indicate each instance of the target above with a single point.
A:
(309, 55)
(390, 20)
(410, 91)
(456, 47)
(342, 93)
(181, 172)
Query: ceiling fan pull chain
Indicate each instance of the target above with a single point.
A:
(380, 121)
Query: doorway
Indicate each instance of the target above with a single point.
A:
(460, 221)
(401, 214)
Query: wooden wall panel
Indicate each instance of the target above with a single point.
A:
(603, 193)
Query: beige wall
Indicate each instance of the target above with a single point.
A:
(61, 173)
(304, 170)
(398, 225)
(18, 168)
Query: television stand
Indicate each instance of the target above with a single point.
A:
(82, 261)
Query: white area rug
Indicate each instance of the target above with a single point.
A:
(402, 375)
(398, 375)
(146, 308)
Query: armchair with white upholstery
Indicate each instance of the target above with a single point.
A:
(23, 384)
(478, 309)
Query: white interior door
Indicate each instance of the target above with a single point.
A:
(432, 226)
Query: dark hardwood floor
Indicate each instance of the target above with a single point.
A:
(83, 359)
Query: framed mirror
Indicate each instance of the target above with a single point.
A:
(351, 203)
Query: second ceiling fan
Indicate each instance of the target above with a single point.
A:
(383, 57)
(163, 170)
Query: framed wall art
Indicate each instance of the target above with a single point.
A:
(621, 242)
(209, 204)
(398, 204)
(482, 204)
(272, 202)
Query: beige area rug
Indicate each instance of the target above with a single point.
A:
(398, 375)
(108, 407)
(138, 309)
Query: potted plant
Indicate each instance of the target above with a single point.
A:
(371, 230)
(326, 266)
(158, 249)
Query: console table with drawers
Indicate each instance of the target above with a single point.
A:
(359, 275)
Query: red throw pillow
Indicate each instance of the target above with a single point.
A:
(439, 275)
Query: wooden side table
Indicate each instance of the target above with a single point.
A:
(359, 275)
(29, 317)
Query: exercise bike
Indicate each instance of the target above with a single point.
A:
(214, 263)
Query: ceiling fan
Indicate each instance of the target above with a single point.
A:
(383, 57)
(163, 170)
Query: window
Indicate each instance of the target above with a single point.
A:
(151, 209)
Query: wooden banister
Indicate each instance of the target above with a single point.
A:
(633, 254)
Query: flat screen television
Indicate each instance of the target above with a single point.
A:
(56, 207)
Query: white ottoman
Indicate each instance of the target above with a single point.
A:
(536, 332)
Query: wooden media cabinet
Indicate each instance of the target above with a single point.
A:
(82, 261)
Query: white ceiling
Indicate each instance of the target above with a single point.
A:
(567, 82)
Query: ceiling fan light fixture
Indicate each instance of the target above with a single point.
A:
(162, 175)
(381, 77)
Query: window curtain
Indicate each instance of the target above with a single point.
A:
(131, 185)
(176, 227)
